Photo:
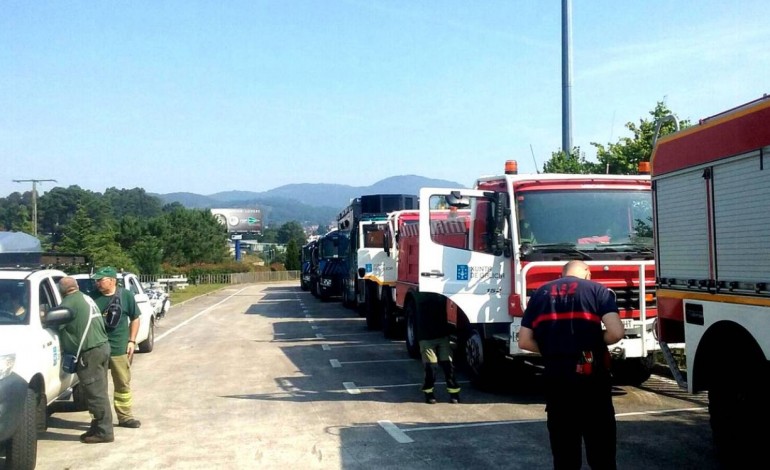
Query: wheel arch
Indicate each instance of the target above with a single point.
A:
(724, 344)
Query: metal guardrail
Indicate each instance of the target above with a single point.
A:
(231, 278)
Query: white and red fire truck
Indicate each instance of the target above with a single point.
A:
(712, 232)
(480, 253)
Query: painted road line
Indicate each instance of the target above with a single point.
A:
(326, 347)
(367, 345)
(206, 310)
(351, 388)
(395, 432)
(319, 336)
(335, 363)
(375, 361)
(400, 434)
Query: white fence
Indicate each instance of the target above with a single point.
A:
(232, 278)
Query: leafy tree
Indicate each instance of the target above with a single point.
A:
(623, 157)
(77, 235)
(135, 202)
(620, 158)
(292, 257)
(148, 254)
(291, 231)
(574, 163)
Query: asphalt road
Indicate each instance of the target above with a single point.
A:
(268, 377)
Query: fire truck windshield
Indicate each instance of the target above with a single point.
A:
(596, 220)
(334, 245)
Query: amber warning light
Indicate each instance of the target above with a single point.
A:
(511, 167)
(644, 168)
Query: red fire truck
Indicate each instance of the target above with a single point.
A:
(479, 253)
(712, 230)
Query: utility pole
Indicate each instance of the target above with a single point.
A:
(566, 77)
(34, 200)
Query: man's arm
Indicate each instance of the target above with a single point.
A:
(614, 331)
(527, 340)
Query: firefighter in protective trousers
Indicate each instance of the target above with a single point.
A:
(563, 322)
(436, 351)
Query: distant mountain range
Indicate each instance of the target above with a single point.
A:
(307, 203)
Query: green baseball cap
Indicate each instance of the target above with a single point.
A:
(107, 271)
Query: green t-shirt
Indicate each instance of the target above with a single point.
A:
(118, 336)
(72, 332)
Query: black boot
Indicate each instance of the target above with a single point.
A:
(430, 398)
(454, 398)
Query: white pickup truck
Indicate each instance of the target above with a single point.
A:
(31, 377)
(145, 338)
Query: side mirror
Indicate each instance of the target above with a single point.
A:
(57, 316)
(455, 199)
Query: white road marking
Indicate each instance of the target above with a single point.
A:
(368, 345)
(400, 434)
(326, 347)
(335, 363)
(319, 336)
(351, 388)
(395, 432)
(380, 360)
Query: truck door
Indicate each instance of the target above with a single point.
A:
(460, 252)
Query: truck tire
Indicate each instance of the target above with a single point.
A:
(480, 359)
(21, 448)
(633, 371)
(373, 306)
(736, 400)
(412, 335)
(391, 328)
(148, 344)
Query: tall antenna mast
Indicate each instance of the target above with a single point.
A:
(34, 200)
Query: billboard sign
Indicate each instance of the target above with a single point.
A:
(239, 220)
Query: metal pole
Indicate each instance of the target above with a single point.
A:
(34, 200)
(566, 76)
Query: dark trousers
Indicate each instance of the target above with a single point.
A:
(92, 374)
(581, 411)
(435, 353)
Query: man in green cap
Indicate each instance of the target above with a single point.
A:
(85, 336)
(121, 316)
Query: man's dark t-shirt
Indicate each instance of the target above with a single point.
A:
(565, 317)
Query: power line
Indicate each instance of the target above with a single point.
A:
(34, 199)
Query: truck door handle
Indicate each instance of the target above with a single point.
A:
(432, 274)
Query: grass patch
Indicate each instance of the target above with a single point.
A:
(180, 295)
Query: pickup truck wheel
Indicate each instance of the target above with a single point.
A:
(148, 344)
(412, 336)
(21, 448)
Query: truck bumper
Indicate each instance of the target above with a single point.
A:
(13, 391)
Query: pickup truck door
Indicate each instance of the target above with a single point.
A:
(456, 256)
(131, 282)
(56, 380)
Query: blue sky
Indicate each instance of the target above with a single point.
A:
(205, 96)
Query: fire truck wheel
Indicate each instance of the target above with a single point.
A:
(390, 327)
(735, 401)
(373, 315)
(634, 371)
(412, 338)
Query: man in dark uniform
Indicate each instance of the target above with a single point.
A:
(436, 351)
(563, 322)
(87, 327)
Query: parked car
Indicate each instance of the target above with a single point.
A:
(31, 376)
(145, 338)
(159, 298)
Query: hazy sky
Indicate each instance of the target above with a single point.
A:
(207, 96)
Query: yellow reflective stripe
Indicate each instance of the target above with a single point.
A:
(453, 390)
(428, 390)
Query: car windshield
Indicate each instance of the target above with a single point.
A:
(14, 302)
(88, 286)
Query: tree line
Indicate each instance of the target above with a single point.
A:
(133, 230)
